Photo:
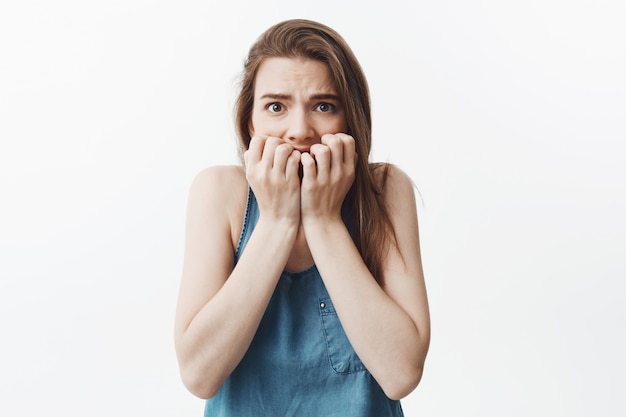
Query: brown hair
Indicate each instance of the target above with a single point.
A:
(300, 38)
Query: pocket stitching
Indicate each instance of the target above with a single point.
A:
(329, 310)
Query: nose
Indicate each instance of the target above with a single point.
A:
(299, 128)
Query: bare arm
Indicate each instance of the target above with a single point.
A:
(388, 325)
(220, 306)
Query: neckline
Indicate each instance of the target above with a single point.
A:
(301, 273)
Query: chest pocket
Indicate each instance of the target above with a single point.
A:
(342, 357)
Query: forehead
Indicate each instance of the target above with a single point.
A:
(279, 74)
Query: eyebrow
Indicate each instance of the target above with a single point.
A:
(275, 96)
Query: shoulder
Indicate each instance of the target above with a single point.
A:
(398, 192)
(392, 180)
(219, 190)
(222, 181)
(217, 175)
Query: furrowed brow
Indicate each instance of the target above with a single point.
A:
(273, 96)
(334, 97)
(278, 96)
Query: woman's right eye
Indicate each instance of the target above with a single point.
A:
(274, 107)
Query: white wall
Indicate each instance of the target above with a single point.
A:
(510, 117)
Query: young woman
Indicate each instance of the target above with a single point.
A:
(302, 291)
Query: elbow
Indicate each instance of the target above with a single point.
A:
(200, 374)
(403, 383)
(199, 384)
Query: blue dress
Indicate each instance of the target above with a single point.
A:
(300, 362)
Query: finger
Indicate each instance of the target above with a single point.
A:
(322, 155)
(269, 150)
(293, 164)
(281, 155)
(309, 170)
(349, 147)
(335, 143)
(255, 149)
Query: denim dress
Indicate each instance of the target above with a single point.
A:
(300, 362)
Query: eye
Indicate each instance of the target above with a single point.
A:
(275, 107)
(325, 107)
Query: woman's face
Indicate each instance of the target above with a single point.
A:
(296, 100)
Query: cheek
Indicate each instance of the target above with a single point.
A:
(260, 127)
(341, 125)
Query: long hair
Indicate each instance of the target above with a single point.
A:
(300, 38)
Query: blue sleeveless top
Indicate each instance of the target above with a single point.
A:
(300, 362)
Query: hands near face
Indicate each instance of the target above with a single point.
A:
(272, 172)
(327, 173)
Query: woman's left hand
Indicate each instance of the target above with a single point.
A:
(328, 174)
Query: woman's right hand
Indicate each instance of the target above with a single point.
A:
(272, 172)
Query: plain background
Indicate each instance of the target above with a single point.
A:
(509, 116)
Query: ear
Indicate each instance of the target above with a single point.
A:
(250, 128)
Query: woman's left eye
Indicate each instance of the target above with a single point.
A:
(325, 107)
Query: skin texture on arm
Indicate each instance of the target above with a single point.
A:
(387, 323)
(220, 306)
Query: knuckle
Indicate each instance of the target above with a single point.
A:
(308, 162)
(274, 140)
(283, 149)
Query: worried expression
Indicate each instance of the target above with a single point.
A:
(296, 100)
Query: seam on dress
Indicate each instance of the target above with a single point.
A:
(244, 226)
